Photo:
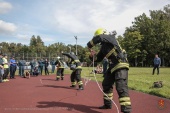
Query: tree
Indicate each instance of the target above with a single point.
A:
(132, 44)
(155, 33)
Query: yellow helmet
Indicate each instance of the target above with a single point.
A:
(100, 31)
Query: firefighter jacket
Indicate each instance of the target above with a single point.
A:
(60, 63)
(75, 63)
(110, 49)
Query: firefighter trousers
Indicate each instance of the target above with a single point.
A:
(60, 72)
(120, 78)
(76, 77)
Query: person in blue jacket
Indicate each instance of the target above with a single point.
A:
(157, 63)
(13, 66)
(41, 64)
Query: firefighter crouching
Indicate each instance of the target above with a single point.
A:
(116, 73)
(75, 65)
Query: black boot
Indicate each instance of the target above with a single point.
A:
(57, 79)
(62, 78)
(80, 87)
(105, 107)
(72, 86)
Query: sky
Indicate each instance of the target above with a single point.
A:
(61, 20)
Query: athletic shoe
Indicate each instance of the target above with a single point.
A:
(7, 80)
(4, 80)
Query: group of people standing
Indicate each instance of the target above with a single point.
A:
(38, 66)
(8, 68)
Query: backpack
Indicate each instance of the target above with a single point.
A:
(157, 84)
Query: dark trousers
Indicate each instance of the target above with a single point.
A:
(76, 77)
(53, 68)
(6, 72)
(46, 71)
(60, 72)
(156, 67)
(32, 70)
(120, 78)
(21, 70)
(1, 75)
(12, 71)
(41, 69)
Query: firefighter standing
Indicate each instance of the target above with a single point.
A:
(76, 67)
(60, 69)
(116, 73)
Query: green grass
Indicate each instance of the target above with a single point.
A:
(140, 79)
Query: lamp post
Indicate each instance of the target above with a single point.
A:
(1, 49)
(76, 44)
(70, 48)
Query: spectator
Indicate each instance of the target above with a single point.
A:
(157, 63)
(40, 63)
(98, 70)
(36, 71)
(1, 68)
(32, 63)
(21, 64)
(46, 64)
(6, 68)
(53, 66)
(13, 66)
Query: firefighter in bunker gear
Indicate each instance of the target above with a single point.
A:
(116, 73)
(60, 69)
(75, 65)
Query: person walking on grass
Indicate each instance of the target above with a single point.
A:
(157, 63)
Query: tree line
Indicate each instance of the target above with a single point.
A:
(37, 49)
(147, 36)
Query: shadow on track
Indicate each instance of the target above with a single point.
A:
(67, 106)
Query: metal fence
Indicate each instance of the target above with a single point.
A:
(30, 56)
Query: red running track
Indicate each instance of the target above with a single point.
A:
(43, 94)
